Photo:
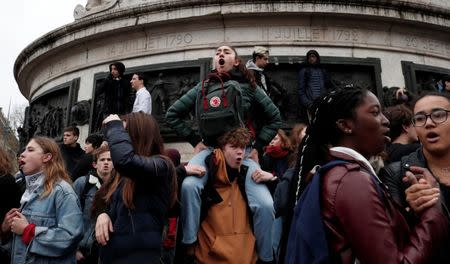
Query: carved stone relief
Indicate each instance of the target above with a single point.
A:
(80, 112)
(285, 75)
(169, 84)
(46, 116)
(92, 7)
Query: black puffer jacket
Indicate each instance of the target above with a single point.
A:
(137, 232)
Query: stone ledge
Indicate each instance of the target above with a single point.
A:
(111, 20)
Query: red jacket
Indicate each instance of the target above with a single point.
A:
(362, 225)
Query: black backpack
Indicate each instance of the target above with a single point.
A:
(219, 108)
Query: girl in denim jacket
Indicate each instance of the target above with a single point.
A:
(48, 225)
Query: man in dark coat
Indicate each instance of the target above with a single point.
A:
(313, 80)
(115, 93)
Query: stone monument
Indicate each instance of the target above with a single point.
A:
(367, 43)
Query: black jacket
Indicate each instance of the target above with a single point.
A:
(117, 95)
(83, 167)
(137, 232)
(392, 176)
(10, 194)
(71, 157)
(396, 151)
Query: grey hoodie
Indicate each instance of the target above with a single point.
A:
(252, 66)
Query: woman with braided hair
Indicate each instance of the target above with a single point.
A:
(360, 221)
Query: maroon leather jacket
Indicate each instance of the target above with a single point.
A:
(362, 225)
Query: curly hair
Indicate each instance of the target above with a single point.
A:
(239, 137)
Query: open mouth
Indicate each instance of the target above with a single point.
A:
(432, 137)
(21, 164)
(221, 61)
(387, 138)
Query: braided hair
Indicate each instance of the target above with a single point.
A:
(323, 131)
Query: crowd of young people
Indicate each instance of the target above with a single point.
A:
(241, 198)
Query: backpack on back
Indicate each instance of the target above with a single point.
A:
(219, 108)
(307, 242)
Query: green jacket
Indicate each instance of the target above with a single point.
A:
(257, 107)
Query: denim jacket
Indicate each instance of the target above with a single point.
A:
(59, 227)
(88, 224)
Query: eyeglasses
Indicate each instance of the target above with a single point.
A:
(437, 116)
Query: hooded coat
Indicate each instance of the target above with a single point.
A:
(313, 80)
(116, 92)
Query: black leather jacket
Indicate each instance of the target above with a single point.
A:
(392, 175)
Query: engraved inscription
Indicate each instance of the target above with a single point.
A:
(126, 46)
(300, 33)
(281, 33)
(346, 35)
(178, 40)
(151, 42)
(411, 42)
(425, 44)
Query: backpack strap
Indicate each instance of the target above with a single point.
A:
(307, 242)
(204, 92)
(86, 188)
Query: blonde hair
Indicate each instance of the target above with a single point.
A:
(54, 169)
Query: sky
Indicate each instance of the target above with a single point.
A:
(24, 21)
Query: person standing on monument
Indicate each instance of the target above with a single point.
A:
(115, 94)
(259, 61)
(313, 80)
(143, 101)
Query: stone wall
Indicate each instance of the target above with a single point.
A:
(409, 40)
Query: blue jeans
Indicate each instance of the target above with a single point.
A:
(276, 235)
(259, 199)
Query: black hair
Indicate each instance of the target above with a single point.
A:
(94, 139)
(323, 131)
(140, 76)
(119, 66)
(320, 134)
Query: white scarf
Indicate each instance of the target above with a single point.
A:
(357, 156)
(33, 182)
